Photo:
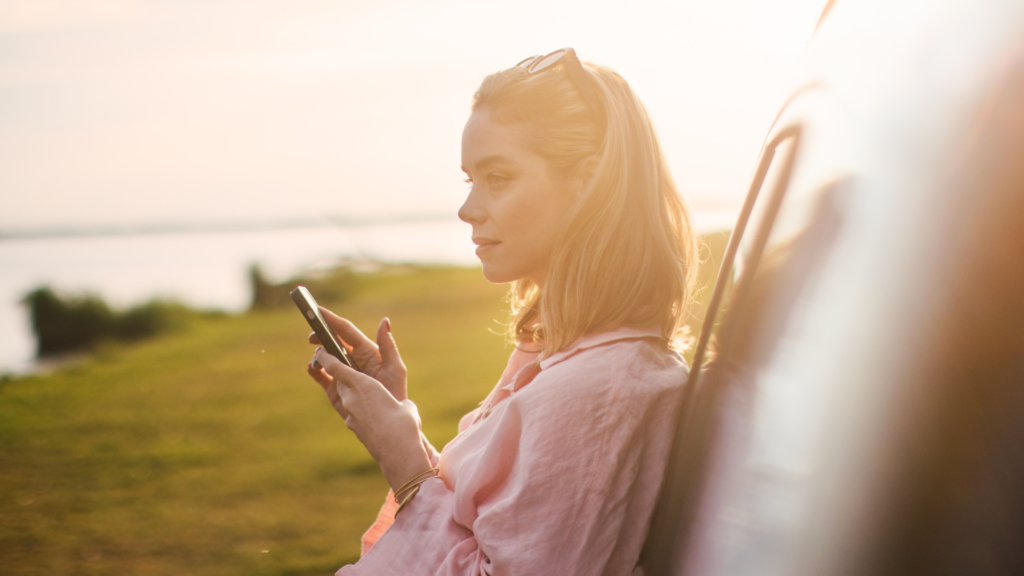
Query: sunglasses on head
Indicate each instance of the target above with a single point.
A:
(571, 64)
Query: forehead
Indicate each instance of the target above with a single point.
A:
(484, 139)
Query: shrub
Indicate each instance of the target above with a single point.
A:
(80, 323)
(334, 287)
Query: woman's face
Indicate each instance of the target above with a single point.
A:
(516, 202)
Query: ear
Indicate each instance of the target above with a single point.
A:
(586, 171)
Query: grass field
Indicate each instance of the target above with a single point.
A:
(209, 451)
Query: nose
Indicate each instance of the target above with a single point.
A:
(471, 212)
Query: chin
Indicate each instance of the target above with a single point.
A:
(495, 275)
(492, 276)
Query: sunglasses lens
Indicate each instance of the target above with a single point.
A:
(545, 62)
(525, 63)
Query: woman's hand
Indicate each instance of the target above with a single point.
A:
(380, 360)
(389, 429)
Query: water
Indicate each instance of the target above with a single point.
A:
(208, 269)
(201, 269)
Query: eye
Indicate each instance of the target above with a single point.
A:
(497, 180)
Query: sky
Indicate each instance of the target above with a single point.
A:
(149, 113)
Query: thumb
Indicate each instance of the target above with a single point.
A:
(386, 343)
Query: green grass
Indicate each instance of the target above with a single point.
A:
(209, 451)
(194, 453)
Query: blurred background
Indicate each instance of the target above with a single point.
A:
(158, 148)
(170, 167)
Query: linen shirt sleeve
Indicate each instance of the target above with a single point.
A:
(386, 516)
(570, 470)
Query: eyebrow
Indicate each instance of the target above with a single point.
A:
(489, 161)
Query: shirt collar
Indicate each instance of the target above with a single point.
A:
(592, 340)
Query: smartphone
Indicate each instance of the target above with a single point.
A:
(311, 311)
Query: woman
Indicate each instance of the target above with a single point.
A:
(558, 470)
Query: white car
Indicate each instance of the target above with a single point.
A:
(857, 399)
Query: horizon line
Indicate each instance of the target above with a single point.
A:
(192, 227)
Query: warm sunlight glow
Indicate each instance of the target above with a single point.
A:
(127, 112)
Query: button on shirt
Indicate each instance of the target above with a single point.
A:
(557, 472)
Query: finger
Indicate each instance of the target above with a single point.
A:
(335, 367)
(317, 372)
(347, 330)
(389, 355)
(331, 388)
(322, 378)
(314, 339)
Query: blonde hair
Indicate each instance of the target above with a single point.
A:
(627, 255)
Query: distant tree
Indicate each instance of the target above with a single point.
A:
(334, 287)
(80, 323)
(264, 294)
(63, 326)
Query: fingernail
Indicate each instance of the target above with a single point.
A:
(387, 322)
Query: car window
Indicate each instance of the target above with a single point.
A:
(750, 430)
(768, 187)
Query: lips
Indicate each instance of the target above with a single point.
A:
(484, 241)
(485, 244)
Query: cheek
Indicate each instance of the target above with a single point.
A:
(535, 226)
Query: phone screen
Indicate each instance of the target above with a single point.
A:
(311, 312)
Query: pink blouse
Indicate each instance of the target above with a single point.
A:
(557, 472)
